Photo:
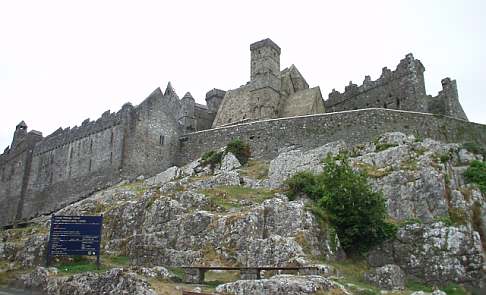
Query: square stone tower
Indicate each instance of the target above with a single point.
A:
(265, 79)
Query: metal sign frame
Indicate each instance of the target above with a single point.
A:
(75, 236)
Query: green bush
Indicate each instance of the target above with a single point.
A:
(476, 173)
(353, 208)
(212, 158)
(240, 149)
(303, 183)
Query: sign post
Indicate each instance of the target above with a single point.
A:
(75, 236)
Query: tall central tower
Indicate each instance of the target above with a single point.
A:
(265, 79)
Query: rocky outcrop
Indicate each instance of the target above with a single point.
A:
(291, 162)
(388, 277)
(182, 217)
(436, 253)
(282, 284)
(114, 281)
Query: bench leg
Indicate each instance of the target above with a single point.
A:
(194, 275)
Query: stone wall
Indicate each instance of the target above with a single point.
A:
(402, 89)
(41, 176)
(14, 169)
(267, 138)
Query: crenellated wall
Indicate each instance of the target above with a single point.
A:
(41, 175)
(402, 89)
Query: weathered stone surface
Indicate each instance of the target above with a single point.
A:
(229, 162)
(114, 281)
(435, 253)
(388, 277)
(165, 176)
(289, 163)
(281, 284)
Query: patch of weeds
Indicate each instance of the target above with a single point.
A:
(444, 219)
(373, 171)
(410, 164)
(415, 285)
(117, 260)
(240, 149)
(384, 146)
(230, 196)
(420, 151)
(255, 169)
(458, 216)
(454, 289)
(353, 270)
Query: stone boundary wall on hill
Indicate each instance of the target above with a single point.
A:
(268, 138)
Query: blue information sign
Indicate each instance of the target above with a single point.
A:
(75, 235)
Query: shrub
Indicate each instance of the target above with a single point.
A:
(303, 183)
(240, 149)
(212, 158)
(476, 173)
(353, 208)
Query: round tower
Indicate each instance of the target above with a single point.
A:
(187, 117)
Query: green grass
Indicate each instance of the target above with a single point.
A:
(229, 196)
(373, 171)
(454, 289)
(88, 264)
(414, 285)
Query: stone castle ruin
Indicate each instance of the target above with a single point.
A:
(275, 110)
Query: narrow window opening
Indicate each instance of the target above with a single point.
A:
(398, 103)
(385, 105)
(161, 140)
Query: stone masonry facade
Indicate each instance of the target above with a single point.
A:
(275, 110)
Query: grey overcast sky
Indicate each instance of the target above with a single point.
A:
(64, 61)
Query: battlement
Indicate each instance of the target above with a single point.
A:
(407, 66)
(62, 137)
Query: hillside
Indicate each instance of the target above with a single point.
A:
(239, 215)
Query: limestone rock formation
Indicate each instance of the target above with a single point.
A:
(388, 277)
(191, 216)
(114, 281)
(282, 284)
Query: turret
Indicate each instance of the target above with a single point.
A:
(19, 134)
(187, 117)
(214, 98)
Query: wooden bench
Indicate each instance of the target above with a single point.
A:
(195, 274)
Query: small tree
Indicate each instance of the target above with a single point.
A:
(356, 212)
